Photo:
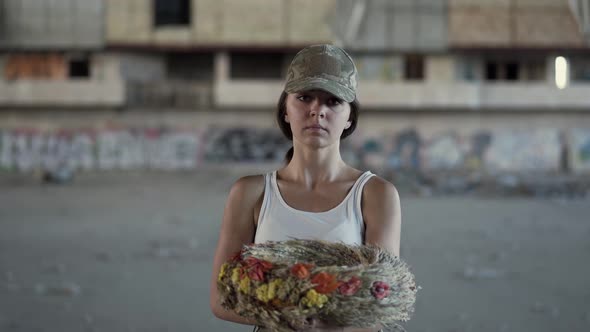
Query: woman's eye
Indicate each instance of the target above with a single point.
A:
(303, 98)
(335, 101)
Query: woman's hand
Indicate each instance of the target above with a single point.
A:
(318, 325)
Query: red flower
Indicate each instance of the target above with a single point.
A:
(256, 268)
(350, 287)
(301, 270)
(237, 256)
(380, 290)
(325, 283)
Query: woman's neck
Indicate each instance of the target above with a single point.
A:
(314, 166)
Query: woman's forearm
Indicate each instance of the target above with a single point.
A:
(233, 317)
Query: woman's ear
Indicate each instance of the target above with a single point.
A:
(286, 118)
(348, 124)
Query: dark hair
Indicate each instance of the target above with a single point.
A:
(286, 128)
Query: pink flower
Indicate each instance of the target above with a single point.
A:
(380, 290)
(350, 287)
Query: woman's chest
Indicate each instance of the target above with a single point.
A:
(321, 199)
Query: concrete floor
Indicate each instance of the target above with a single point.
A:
(132, 252)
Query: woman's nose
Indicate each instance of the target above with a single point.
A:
(317, 109)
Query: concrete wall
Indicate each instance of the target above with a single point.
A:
(310, 21)
(399, 25)
(228, 22)
(545, 23)
(512, 23)
(128, 20)
(393, 25)
(51, 24)
(402, 25)
(253, 22)
(481, 141)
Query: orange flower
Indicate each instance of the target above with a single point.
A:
(301, 270)
(256, 268)
(325, 283)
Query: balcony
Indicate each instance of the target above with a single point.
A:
(423, 95)
(62, 93)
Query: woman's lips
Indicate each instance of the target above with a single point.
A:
(316, 128)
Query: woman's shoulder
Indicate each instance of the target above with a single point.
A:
(380, 204)
(248, 185)
(375, 184)
(245, 197)
(377, 189)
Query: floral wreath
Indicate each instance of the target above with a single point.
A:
(285, 284)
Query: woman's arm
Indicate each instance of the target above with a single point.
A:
(382, 215)
(237, 228)
(380, 206)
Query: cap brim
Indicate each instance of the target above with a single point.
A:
(319, 83)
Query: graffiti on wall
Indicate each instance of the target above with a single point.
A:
(495, 151)
(537, 150)
(173, 149)
(452, 151)
(443, 152)
(479, 144)
(406, 150)
(579, 149)
(131, 149)
(27, 150)
(245, 145)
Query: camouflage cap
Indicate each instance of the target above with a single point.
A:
(324, 67)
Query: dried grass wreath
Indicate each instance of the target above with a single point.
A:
(283, 285)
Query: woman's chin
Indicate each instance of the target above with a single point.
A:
(317, 142)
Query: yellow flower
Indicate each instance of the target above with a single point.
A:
(223, 271)
(244, 286)
(314, 299)
(273, 288)
(267, 292)
(262, 293)
(235, 275)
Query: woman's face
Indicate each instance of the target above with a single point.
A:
(316, 117)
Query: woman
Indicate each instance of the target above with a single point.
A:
(315, 195)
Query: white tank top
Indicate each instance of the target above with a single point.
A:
(278, 221)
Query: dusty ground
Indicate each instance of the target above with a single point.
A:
(132, 252)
